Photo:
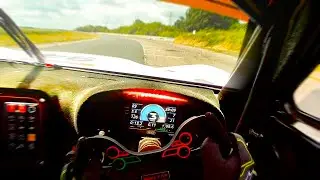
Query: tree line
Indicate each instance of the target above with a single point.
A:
(194, 19)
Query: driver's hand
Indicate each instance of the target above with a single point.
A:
(238, 165)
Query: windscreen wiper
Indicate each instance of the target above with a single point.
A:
(19, 37)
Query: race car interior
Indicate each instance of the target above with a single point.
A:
(129, 129)
(58, 120)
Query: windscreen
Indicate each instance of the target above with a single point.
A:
(142, 37)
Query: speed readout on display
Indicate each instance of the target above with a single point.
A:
(152, 117)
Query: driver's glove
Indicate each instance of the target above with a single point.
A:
(237, 165)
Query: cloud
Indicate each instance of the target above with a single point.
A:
(69, 14)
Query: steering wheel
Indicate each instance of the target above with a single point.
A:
(90, 154)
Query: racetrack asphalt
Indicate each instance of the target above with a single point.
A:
(146, 50)
(106, 46)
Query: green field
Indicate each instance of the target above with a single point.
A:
(42, 36)
(225, 41)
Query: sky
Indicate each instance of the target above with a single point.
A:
(69, 14)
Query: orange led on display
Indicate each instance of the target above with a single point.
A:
(31, 138)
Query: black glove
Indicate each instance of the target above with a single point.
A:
(237, 163)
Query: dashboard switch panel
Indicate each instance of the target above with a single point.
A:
(20, 119)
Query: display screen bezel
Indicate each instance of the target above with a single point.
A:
(151, 128)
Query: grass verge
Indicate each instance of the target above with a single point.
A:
(315, 74)
(224, 41)
(43, 36)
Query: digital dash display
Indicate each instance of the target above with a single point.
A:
(152, 117)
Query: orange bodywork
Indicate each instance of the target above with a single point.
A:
(222, 7)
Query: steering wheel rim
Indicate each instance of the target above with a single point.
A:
(213, 128)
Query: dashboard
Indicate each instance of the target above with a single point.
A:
(142, 120)
(132, 115)
(42, 122)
